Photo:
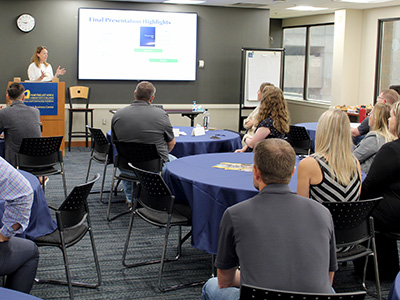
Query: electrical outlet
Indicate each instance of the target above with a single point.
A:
(104, 121)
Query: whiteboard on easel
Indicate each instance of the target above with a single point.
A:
(261, 66)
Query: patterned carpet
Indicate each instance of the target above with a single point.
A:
(134, 283)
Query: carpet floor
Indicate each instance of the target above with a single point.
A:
(119, 282)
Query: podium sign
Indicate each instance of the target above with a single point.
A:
(43, 96)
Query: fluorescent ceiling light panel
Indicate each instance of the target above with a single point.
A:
(184, 1)
(306, 8)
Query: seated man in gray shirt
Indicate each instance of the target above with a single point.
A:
(278, 239)
(18, 121)
(141, 122)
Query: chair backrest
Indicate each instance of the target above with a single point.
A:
(143, 156)
(352, 220)
(248, 292)
(299, 138)
(153, 191)
(100, 145)
(74, 210)
(39, 152)
(79, 94)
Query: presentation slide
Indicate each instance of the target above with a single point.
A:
(136, 45)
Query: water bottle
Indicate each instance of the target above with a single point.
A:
(194, 108)
(206, 119)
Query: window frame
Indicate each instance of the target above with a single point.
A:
(379, 46)
(306, 62)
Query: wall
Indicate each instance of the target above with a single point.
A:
(221, 34)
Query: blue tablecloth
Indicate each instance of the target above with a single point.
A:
(394, 293)
(40, 221)
(210, 191)
(8, 294)
(227, 141)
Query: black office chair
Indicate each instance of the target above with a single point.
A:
(101, 150)
(355, 233)
(73, 222)
(79, 95)
(249, 292)
(39, 156)
(141, 155)
(158, 208)
(300, 140)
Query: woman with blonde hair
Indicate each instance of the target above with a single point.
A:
(272, 120)
(40, 69)
(332, 173)
(378, 135)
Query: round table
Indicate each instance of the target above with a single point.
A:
(394, 293)
(210, 191)
(15, 295)
(311, 128)
(214, 141)
(222, 141)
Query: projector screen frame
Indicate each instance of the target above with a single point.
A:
(193, 58)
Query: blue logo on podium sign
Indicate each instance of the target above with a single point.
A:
(43, 96)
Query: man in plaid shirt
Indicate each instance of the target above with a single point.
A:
(18, 257)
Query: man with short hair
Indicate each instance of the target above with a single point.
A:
(386, 96)
(278, 240)
(17, 121)
(143, 123)
(18, 257)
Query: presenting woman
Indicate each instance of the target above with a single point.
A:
(332, 173)
(272, 119)
(378, 135)
(40, 69)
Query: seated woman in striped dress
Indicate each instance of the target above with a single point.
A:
(333, 173)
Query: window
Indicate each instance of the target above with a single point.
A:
(388, 70)
(308, 62)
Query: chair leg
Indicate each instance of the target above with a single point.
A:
(96, 258)
(86, 129)
(63, 179)
(88, 170)
(109, 219)
(103, 181)
(70, 131)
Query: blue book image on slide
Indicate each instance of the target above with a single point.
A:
(148, 36)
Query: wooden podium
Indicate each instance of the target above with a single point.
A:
(49, 98)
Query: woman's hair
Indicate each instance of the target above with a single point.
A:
(274, 106)
(333, 140)
(264, 84)
(381, 112)
(35, 58)
(396, 112)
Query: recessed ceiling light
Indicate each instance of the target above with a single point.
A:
(184, 1)
(306, 8)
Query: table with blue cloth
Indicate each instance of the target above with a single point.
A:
(15, 295)
(214, 141)
(311, 128)
(394, 293)
(40, 221)
(210, 191)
